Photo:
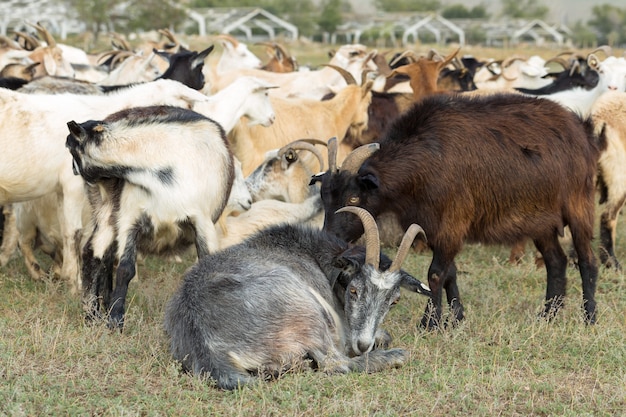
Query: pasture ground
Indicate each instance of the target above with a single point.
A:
(501, 360)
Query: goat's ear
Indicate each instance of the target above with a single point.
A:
(317, 178)
(77, 130)
(162, 54)
(201, 57)
(369, 181)
(350, 260)
(410, 283)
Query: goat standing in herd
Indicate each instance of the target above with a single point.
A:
(490, 169)
(143, 175)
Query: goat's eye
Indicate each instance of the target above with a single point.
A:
(353, 292)
(354, 200)
(395, 301)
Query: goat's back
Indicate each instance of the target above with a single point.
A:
(487, 165)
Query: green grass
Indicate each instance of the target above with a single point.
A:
(501, 360)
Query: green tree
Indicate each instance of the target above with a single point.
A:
(330, 17)
(459, 11)
(153, 14)
(408, 5)
(95, 13)
(524, 9)
(610, 23)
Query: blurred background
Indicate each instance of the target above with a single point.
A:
(381, 23)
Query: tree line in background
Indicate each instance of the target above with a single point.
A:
(607, 24)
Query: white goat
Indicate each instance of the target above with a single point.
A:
(32, 133)
(310, 84)
(612, 77)
(516, 72)
(147, 167)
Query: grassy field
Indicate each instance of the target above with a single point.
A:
(501, 360)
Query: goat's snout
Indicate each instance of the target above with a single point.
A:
(363, 346)
(270, 121)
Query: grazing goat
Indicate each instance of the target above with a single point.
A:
(31, 133)
(283, 296)
(490, 169)
(146, 166)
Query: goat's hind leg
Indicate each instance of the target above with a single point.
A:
(556, 266)
(608, 226)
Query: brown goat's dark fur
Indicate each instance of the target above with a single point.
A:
(492, 169)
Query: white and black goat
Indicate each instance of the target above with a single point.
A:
(286, 295)
(32, 134)
(147, 167)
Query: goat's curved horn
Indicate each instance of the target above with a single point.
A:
(575, 67)
(45, 34)
(608, 51)
(332, 155)
(118, 41)
(344, 73)
(355, 159)
(406, 54)
(169, 35)
(305, 144)
(228, 38)
(506, 63)
(30, 42)
(556, 59)
(372, 241)
(405, 245)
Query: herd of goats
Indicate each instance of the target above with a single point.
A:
(287, 181)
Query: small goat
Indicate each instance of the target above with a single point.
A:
(285, 295)
(147, 167)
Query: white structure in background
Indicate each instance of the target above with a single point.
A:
(53, 14)
(254, 23)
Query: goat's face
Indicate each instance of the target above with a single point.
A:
(367, 299)
(240, 198)
(343, 189)
(612, 72)
(259, 107)
(368, 292)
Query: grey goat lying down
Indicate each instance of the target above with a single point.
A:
(286, 296)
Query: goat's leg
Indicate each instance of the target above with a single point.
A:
(9, 235)
(438, 273)
(556, 265)
(588, 271)
(125, 272)
(97, 276)
(453, 296)
(608, 225)
(206, 236)
(72, 201)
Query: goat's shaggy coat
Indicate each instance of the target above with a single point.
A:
(491, 169)
(286, 294)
